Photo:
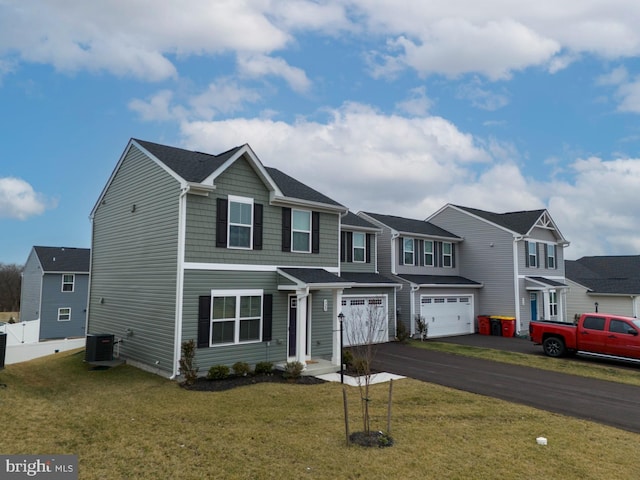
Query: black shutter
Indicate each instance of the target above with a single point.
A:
(257, 226)
(349, 247)
(546, 256)
(526, 253)
(204, 321)
(267, 317)
(401, 251)
(343, 246)
(221, 223)
(286, 229)
(537, 255)
(440, 250)
(453, 255)
(315, 232)
(367, 245)
(420, 253)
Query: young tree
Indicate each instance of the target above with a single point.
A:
(363, 330)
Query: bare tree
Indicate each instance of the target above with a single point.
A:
(364, 328)
(10, 283)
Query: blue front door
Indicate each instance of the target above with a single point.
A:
(534, 306)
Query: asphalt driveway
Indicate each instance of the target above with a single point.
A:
(600, 401)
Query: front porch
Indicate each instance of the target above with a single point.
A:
(314, 367)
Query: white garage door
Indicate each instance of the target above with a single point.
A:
(447, 315)
(365, 319)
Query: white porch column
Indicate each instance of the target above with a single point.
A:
(337, 308)
(545, 303)
(301, 326)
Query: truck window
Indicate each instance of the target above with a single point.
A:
(593, 323)
(618, 326)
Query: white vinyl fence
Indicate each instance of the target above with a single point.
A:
(21, 333)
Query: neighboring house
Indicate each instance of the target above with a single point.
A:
(55, 287)
(518, 257)
(608, 284)
(369, 307)
(219, 249)
(425, 259)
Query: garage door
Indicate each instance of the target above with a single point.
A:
(447, 315)
(365, 319)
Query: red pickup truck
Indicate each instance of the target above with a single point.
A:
(600, 333)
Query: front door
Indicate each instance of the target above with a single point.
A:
(293, 326)
(534, 306)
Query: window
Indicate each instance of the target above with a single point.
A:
(240, 222)
(447, 255)
(64, 314)
(533, 254)
(428, 253)
(236, 316)
(68, 281)
(593, 323)
(618, 326)
(551, 256)
(408, 251)
(359, 247)
(553, 304)
(300, 231)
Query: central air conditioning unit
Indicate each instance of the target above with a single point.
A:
(99, 348)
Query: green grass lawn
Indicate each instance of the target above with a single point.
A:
(124, 423)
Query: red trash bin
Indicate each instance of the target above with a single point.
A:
(484, 325)
(508, 326)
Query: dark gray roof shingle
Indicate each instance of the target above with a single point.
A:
(609, 274)
(293, 188)
(353, 220)
(438, 280)
(367, 278)
(519, 222)
(313, 275)
(410, 225)
(63, 259)
(196, 166)
(192, 166)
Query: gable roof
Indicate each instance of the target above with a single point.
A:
(63, 259)
(411, 226)
(520, 222)
(351, 220)
(197, 171)
(608, 274)
(191, 166)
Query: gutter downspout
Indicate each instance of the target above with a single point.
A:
(412, 297)
(177, 340)
(394, 271)
(516, 282)
(302, 309)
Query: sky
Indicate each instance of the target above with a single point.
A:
(387, 106)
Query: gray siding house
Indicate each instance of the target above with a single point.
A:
(425, 260)
(369, 306)
(518, 256)
(608, 284)
(220, 249)
(55, 288)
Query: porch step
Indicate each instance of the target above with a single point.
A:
(314, 367)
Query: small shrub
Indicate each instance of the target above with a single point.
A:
(241, 369)
(187, 363)
(402, 334)
(293, 370)
(361, 366)
(347, 357)
(218, 372)
(263, 368)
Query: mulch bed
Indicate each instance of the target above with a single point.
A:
(233, 381)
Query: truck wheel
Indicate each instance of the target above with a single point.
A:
(553, 347)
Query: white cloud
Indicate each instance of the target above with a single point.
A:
(413, 166)
(417, 103)
(262, 65)
(482, 97)
(19, 200)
